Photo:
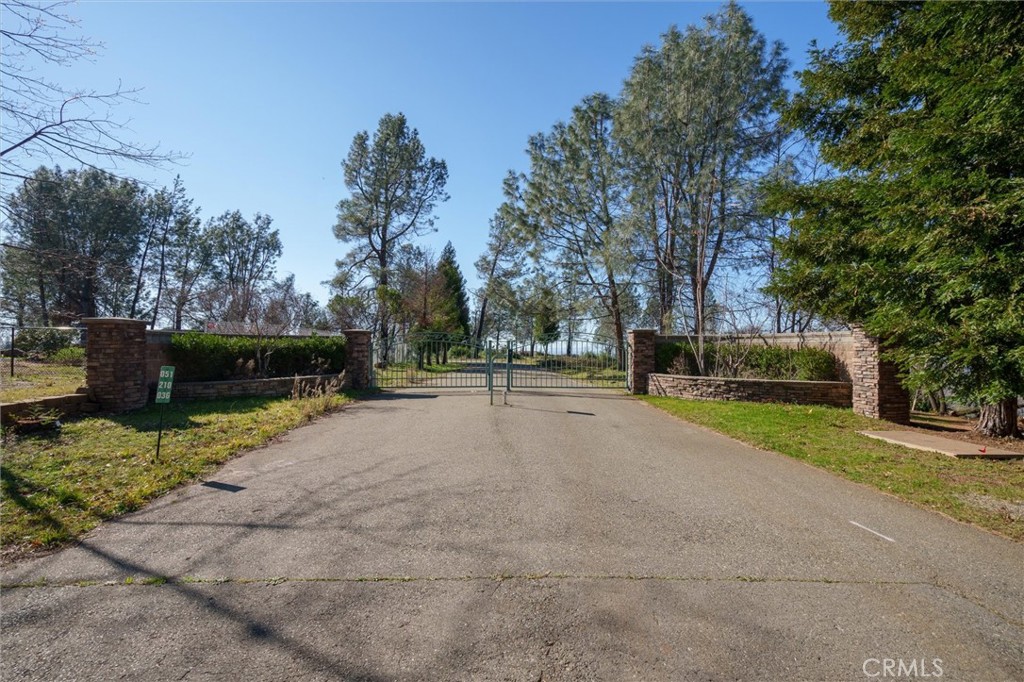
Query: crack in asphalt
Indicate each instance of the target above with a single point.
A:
(155, 581)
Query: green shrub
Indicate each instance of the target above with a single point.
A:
(211, 357)
(816, 364)
(460, 351)
(679, 358)
(748, 361)
(72, 355)
(665, 355)
(767, 362)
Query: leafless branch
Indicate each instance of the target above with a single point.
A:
(47, 122)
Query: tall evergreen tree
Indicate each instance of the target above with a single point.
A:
(502, 263)
(697, 121)
(546, 327)
(183, 259)
(576, 209)
(453, 308)
(75, 239)
(393, 190)
(921, 108)
(243, 257)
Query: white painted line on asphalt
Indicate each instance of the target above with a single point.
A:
(884, 537)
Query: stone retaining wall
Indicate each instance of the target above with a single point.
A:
(66, 405)
(250, 388)
(874, 390)
(832, 393)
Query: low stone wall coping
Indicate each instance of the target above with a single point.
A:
(67, 404)
(793, 382)
(112, 320)
(842, 335)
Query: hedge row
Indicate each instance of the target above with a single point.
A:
(210, 357)
(748, 361)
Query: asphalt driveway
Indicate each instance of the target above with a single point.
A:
(561, 537)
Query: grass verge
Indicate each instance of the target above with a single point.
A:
(59, 485)
(38, 380)
(987, 493)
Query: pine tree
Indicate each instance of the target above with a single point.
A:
(453, 308)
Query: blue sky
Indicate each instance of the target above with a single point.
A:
(265, 97)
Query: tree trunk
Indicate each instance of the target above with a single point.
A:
(160, 280)
(42, 302)
(140, 280)
(999, 419)
(480, 327)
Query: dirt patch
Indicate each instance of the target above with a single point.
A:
(962, 429)
(1012, 510)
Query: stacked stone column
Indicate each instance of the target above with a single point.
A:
(877, 391)
(357, 357)
(115, 367)
(641, 345)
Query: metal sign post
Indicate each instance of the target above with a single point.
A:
(163, 396)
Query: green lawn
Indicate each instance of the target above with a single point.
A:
(987, 493)
(58, 486)
(407, 373)
(604, 376)
(38, 380)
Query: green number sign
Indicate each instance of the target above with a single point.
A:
(163, 386)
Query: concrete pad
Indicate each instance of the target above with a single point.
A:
(945, 446)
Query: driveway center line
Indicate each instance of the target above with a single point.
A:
(884, 537)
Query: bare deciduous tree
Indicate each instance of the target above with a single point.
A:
(51, 123)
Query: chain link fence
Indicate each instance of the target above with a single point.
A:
(37, 362)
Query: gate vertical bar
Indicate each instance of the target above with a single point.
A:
(629, 365)
(490, 370)
(372, 375)
(508, 368)
(12, 351)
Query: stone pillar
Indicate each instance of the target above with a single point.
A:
(357, 357)
(877, 391)
(641, 363)
(115, 362)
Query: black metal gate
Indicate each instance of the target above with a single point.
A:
(588, 361)
(426, 360)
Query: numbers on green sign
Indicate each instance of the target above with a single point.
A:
(164, 384)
